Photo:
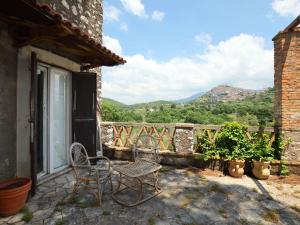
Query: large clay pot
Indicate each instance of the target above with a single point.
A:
(236, 167)
(261, 169)
(13, 195)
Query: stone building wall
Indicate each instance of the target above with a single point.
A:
(8, 92)
(287, 89)
(87, 15)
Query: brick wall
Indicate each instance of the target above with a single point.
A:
(287, 89)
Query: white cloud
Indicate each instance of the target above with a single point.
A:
(112, 44)
(286, 7)
(241, 61)
(135, 7)
(111, 13)
(158, 15)
(203, 38)
(124, 27)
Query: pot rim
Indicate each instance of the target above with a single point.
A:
(24, 187)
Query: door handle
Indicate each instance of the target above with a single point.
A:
(74, 100)
(93, 101)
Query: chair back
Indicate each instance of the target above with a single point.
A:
(78, 155)
(146, 147)
(79, 160)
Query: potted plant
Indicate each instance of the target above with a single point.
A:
(13, 195)
(262, 154)
(232, 139)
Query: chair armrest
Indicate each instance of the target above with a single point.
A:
(101, 157)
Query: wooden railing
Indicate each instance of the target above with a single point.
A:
(125, 134)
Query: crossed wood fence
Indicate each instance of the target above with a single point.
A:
(125, 134)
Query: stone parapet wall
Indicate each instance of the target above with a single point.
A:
(179, 137)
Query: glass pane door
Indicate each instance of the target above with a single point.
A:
(59, 121)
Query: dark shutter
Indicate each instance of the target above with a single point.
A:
(33, 122)
(84, 110)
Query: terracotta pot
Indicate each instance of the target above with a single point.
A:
(261, 169)
(13, 195)
(236, 167)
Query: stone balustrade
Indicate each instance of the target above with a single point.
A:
(174, 137)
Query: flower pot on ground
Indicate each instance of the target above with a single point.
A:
(13, 195)
(236, 167)
(261, 169)
(232, 139)
(262, 154)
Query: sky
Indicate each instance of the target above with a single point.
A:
(177, 48)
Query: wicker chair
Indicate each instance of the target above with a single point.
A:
(89, 176)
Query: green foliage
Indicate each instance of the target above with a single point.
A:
(283, 169)
(114, 113)
(261, 150)
(27, 214)
(233, 142)
(255, 110)
(280, 143)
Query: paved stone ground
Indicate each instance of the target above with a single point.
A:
(188, 198)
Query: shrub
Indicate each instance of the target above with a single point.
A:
(261, 150)
(232, 141)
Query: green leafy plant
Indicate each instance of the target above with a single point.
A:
(283, 169)
(232, 141)
(280, 144)
(261, 149)
(27, 214)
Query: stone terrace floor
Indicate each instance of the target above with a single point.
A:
(189, 196)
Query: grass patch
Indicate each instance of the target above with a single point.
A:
(27, 215)
(203, 178)
(106, 213)
(59, 205)
(165, 169)
(184, 203)
(216, 188)
(271, 216)
(296, 208)
(151, 221)
(254, 190)
(60, 222)
(189, 173)
(222, 212)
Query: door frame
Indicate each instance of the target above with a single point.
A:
(45, 121)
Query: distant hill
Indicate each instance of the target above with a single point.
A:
(114, 102)
(226, 93)
(189, 99)
(217, 106)
(154, 104)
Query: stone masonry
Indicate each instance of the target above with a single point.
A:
(88, 16)
(287, 88)
(184, 138)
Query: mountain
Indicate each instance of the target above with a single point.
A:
(189, 99)
(226, 93)
(114, 102)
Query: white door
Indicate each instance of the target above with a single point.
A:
(59, 118)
